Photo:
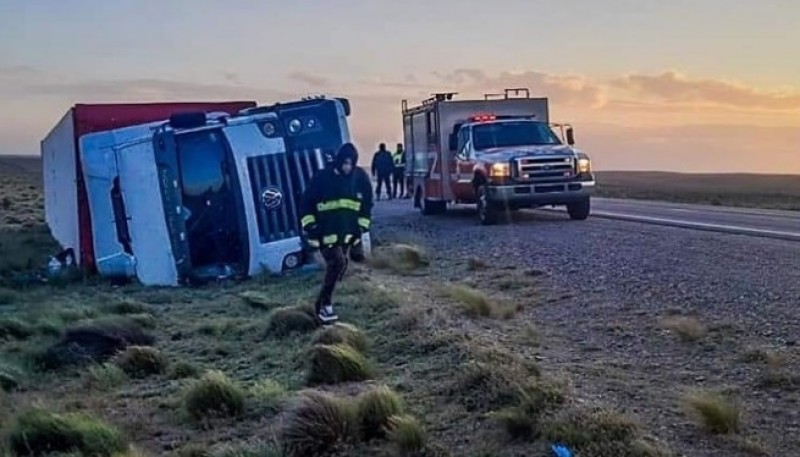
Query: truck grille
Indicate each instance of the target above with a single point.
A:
(289, 174)
(547, 168)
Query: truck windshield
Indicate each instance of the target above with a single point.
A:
(507, 134)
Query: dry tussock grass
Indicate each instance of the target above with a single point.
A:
(714, 412)
(686, 328)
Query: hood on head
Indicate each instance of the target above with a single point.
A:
(347, 151)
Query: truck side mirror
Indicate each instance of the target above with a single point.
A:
(453, 141)
(570, 136)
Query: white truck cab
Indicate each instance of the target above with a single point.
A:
(207, 196)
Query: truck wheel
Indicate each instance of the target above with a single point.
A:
(486, 214)
(579, 211)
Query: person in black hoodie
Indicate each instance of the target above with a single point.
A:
(335, 211)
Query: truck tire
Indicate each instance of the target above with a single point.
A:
(579, 211)
(486, 215)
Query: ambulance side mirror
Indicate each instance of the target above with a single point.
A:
(570, 136)
(453, 141)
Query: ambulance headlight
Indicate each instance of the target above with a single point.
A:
(500, 170)
(584, 165)
(295, 126)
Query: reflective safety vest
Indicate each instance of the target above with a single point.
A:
(398, 160)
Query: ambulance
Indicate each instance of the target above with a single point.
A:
(500, 153)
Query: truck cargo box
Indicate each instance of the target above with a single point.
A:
(66, 209)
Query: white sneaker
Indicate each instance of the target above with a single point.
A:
(327, 315)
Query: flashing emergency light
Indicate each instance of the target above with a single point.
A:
(483, 117)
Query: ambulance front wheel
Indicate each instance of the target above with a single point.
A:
(486, 213)
(579, 211)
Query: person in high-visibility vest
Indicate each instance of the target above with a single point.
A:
(335, 211)
(398, 176)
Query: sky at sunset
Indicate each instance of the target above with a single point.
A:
(702, 85)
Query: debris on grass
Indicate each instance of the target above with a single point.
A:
(317, 424)
(407, 434)
(41, 432)
(141, 361)
(375, 406)
(341, 333)
(213, 396)
(713, 411)
(687, 328)
(333, 364)
(285, 321)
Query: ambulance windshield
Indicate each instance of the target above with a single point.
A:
(512, 133)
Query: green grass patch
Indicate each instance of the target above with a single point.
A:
(333, 364)
(40, 432)
(213, 396)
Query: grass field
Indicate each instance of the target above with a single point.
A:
(743, 190)
(240, 369)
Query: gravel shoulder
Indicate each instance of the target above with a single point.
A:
(615, 284)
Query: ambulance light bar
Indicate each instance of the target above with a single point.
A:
(483, 118)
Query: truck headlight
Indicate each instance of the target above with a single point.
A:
(584, 165)
(500, 169)
(295, 125)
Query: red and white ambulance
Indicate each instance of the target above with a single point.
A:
(500, 153)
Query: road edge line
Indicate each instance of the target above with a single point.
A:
(734, 230)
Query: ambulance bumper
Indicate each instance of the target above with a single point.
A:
(534, 195)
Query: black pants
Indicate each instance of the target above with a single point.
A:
(398, 183)
(384, 179)
(336, 261)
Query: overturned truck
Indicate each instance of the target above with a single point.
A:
(181, 193)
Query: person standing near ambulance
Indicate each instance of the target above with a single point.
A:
(336, 209)
(398, 175)
(382, 169)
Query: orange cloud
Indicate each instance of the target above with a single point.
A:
(662, 122)
(674, 87)
(562, 89)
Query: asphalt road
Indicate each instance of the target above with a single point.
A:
(753, 222)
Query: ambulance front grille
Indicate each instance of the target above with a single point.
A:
(544, 168)
(278, 182)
